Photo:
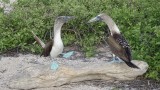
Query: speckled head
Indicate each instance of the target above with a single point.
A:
(97, 18)
(108, 20)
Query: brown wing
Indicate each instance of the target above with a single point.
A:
(47, 48)
(119, 46)
(39, 41)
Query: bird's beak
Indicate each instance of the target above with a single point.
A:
(71, 17)
(97, 18)
(67, 18)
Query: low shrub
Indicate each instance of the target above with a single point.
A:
(138, 20)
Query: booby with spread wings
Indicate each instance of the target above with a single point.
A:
(54, 46)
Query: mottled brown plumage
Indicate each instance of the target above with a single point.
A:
(117, 43)
(120, 47)
(123, 51)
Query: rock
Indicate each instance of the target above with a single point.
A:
(41, 76)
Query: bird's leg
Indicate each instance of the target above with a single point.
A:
(54, 65)
(118, 59)
(115, 59)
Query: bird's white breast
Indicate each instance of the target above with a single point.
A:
(57, 47)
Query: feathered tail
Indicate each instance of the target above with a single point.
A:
(130, 64)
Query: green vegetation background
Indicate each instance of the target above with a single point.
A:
(138, 20)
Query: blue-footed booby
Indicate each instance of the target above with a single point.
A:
(55, 46)
(116, 41)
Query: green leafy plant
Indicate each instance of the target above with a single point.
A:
(138, 20)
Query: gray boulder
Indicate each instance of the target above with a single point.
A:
(41, 76)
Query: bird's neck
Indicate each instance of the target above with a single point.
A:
(111, 24)
(57, 34)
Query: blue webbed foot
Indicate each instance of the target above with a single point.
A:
(116, 59)
(68, 54)
(119, 60)
(54, 66)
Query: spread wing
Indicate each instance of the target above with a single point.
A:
(46, 47)
(120, 47)
(38, 40)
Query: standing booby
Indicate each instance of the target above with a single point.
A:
(117, 43)
(55, 46)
